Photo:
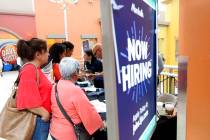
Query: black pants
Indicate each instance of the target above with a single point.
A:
(100, 135)
(166, 129)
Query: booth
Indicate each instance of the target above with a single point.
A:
(129, 29)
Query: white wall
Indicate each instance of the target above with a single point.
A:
(17, 7)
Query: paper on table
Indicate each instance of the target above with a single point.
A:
(84, 83)
(92, 88)
(99, 106)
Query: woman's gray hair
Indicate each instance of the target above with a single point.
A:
(67, 67)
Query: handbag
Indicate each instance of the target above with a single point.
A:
(17, 124)
(80, 131)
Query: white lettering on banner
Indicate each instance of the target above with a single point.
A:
(139, 117)
(134, 74)
(137, 49)
(137, 10)
(126, 77)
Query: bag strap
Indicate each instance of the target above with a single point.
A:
(18, 78)
(61, 107)
(37, 74)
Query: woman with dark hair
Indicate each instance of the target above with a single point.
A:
(57, 52)
(91, 63)
(94, 66)
(69, 48)
(33, 93)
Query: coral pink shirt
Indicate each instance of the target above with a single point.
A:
(31, 94)
(77, 106)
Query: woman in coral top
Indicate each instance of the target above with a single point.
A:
(34, 89)
(57, 52)
(75, 103)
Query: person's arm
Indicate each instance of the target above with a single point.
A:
(92, 76)
(90, 118)
(99, 73)
(41, 112)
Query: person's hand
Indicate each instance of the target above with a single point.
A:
(90, 76)
(99, 74)
(46, 116)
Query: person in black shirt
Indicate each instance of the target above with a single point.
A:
(94, 66)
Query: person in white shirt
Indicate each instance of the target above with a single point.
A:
(47, 69)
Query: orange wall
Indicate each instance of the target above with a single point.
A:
(83, 18)
(195, 43)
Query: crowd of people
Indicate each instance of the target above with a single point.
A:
(57, 74)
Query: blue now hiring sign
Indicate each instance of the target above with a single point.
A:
(134, 31)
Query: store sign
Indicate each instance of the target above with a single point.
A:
(134, 25)
(8, 52)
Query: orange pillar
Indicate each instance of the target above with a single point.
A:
(195, 43)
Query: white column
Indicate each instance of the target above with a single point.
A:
(65, 10)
